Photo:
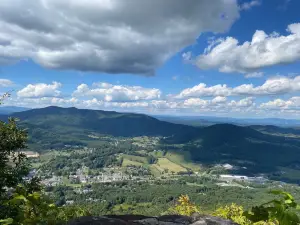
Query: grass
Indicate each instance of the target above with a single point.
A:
(146, 208)
(66, 182)
(165, 164)
(154, 170)
(195, 184)
(135, 158)
(128, 162)
(289, 173)
(182, 159)
(144, 152)
(157, 154)
(171, 162)
(36, 165)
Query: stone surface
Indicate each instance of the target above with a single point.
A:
(144, 220)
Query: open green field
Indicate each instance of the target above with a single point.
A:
(127, 162)
(135, 158)
(164, 164)
(170, 162)
(288, 174)
(183, 160)
(157, 154)
(154, 170)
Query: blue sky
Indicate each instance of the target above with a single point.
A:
(223, 58)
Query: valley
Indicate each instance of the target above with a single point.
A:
(83, 156)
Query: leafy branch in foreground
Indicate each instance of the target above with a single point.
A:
(281, 211)
(184, 207)
(36, 208)
(22, 202)
(233, 212)
(13, 163)
(6, 95)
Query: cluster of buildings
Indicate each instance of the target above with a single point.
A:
(53, 181)
(258, 180)
(81, 177)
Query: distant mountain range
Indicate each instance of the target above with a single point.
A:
(210, 120)
(257, 148)
(53, 126)
(194, 120)
(5, 110)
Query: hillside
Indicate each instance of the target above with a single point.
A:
(210, 120)
(247, 150)
(56, 125)
(250, 150)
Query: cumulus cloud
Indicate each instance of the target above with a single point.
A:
(273, 86)
(40, 90)
(203, 90)
(219, 99)
(195, 102)
(254, 75)
(218, 105)
(249, 5)
(246, 102)
(264, 50)
(280, 104)
(116, 93)
(111, 36)
(6, 83)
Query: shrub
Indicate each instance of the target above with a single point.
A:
(184, 207)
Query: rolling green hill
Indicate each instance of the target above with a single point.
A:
(251, 150)
(60, 126)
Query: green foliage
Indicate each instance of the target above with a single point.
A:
(56, 127)
(184, 207)
(233, 144)
(35, 208)
(22, 202)
(151, 159)
(281, 211)
(13, 165)
(6, 95)
(30, 208)
(233, 212)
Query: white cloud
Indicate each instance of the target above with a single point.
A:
(273, 86)
(219, 99)
(275, 104)
(249, 5)
(117, 93)
(40, 90)
(254, 75)
(219, 105)
(202, 90)
(43, 102)
(246, 102)
(195, 102)
(6, 83)
(280, 104)
(111, 36)
(164, 104)
(228, 56)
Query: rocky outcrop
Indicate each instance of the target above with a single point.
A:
(145, 220)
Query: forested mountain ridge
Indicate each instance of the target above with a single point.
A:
(255, 148)
(56, 125)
